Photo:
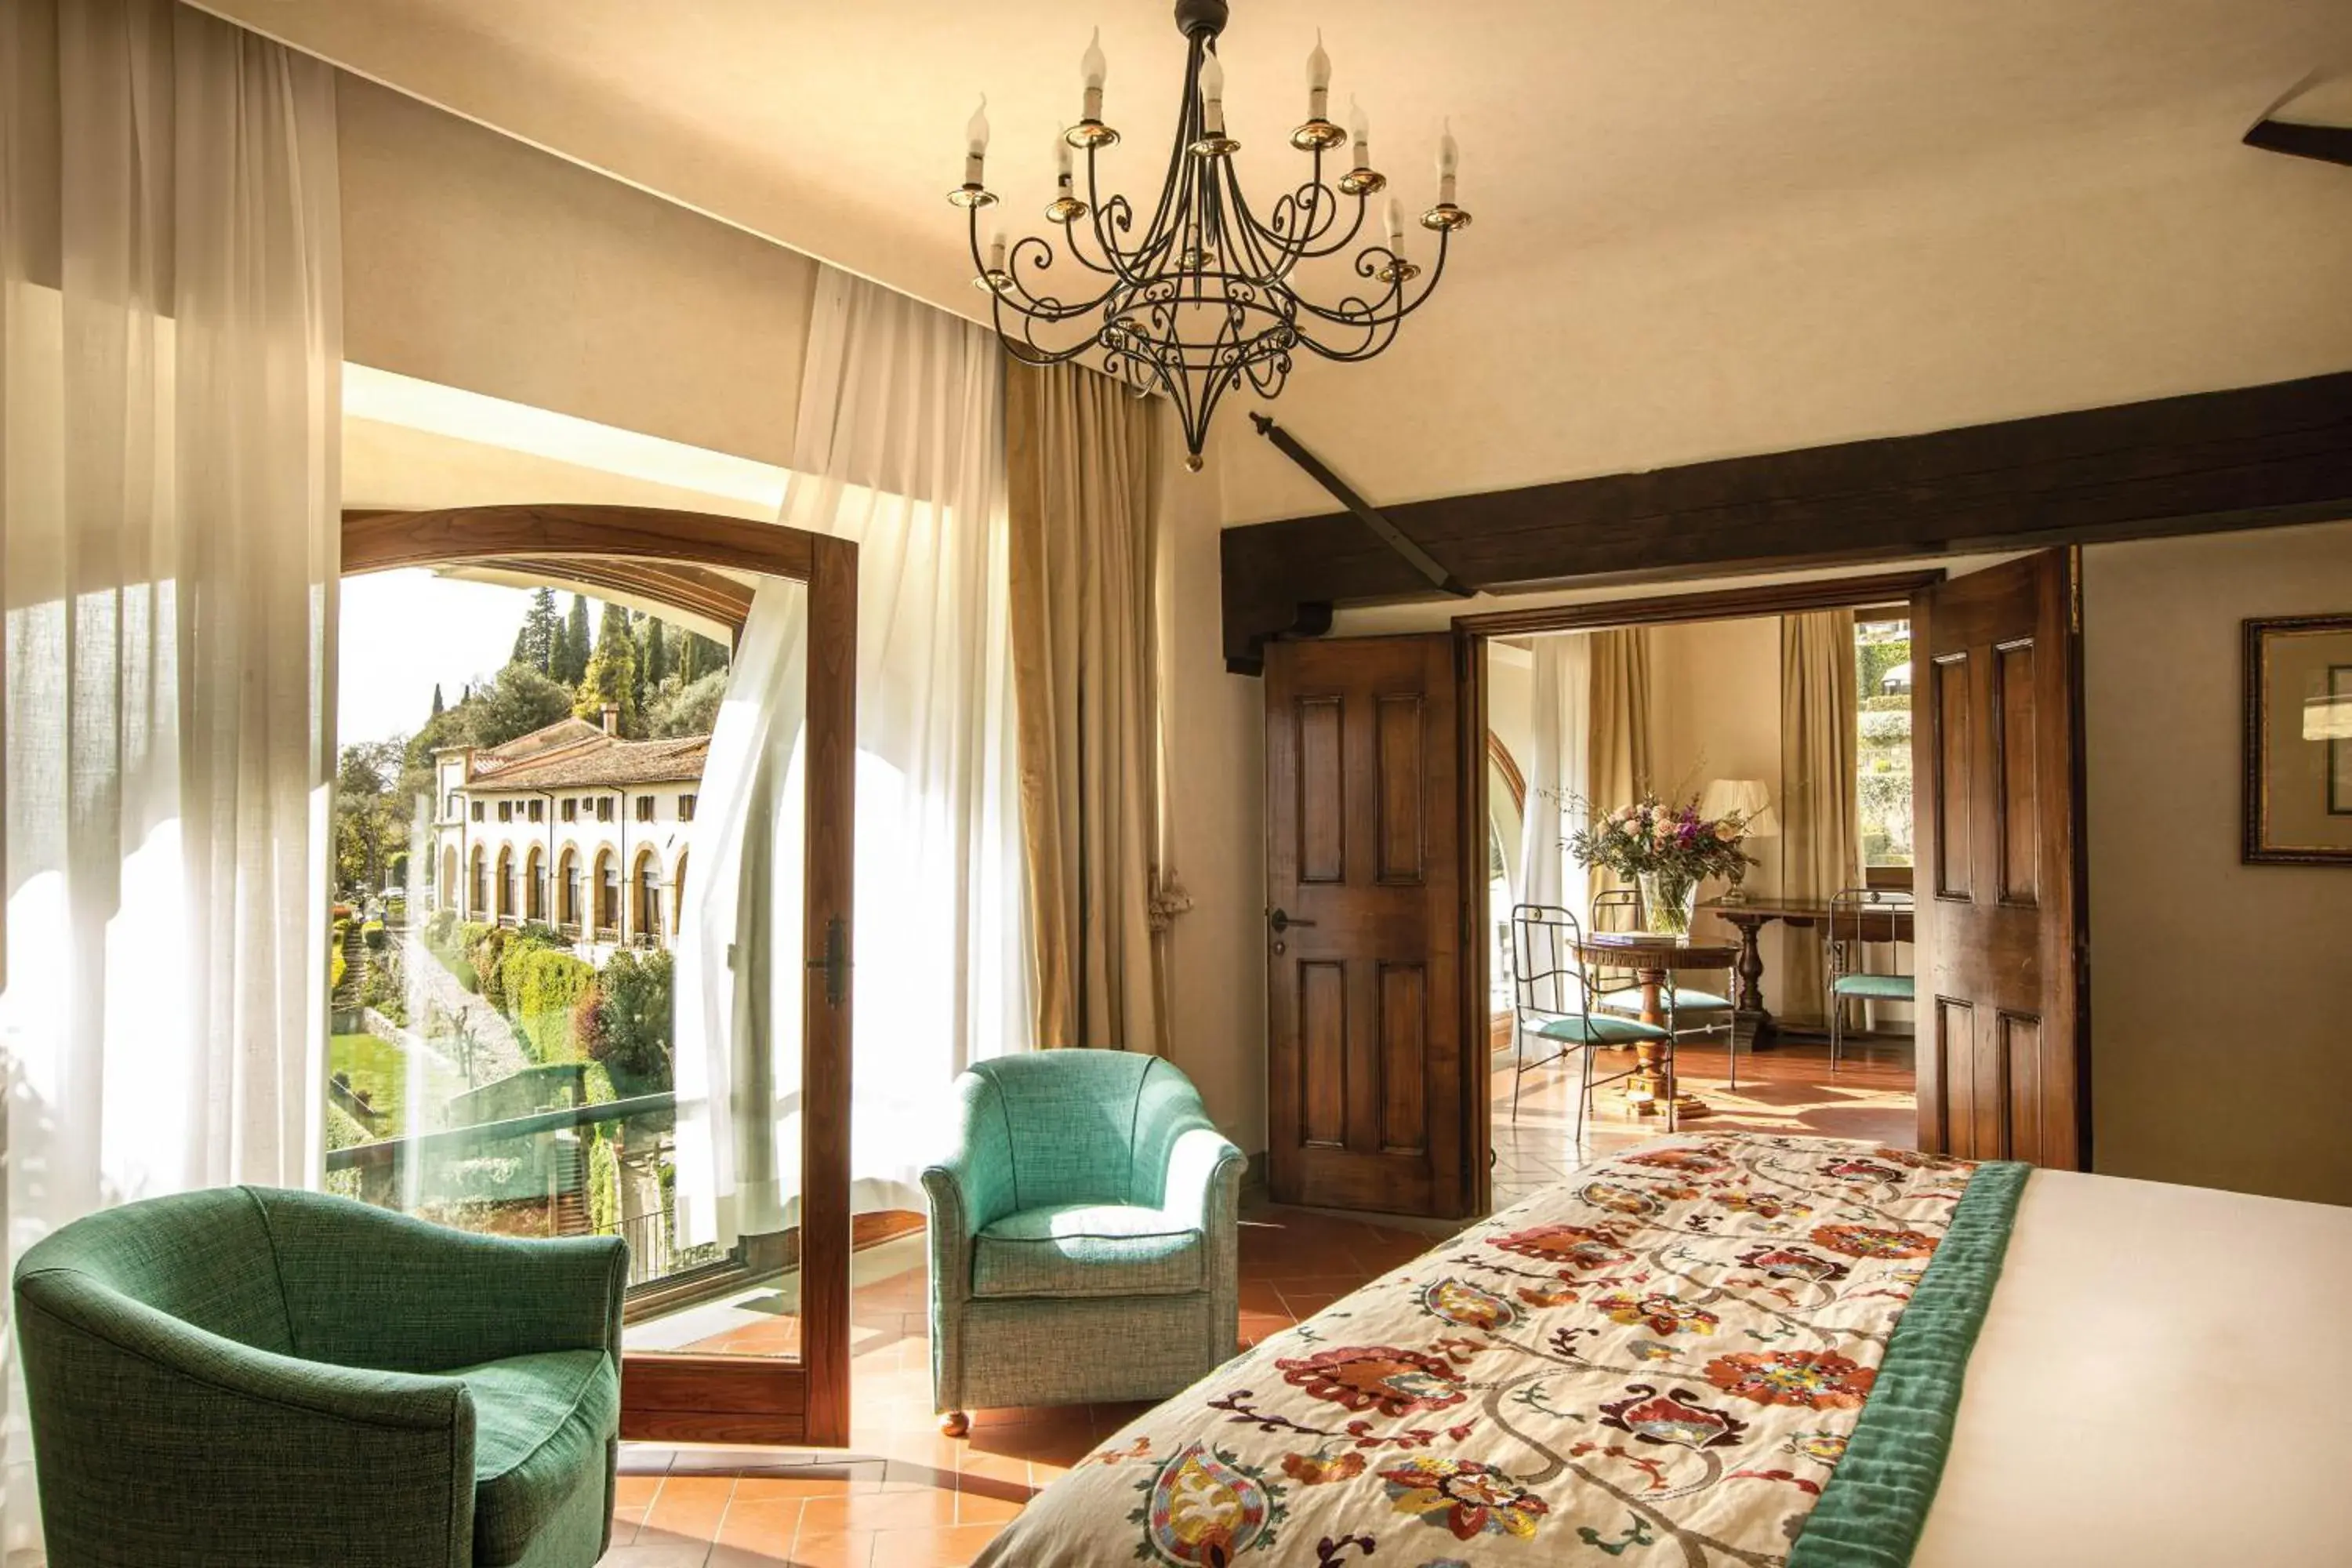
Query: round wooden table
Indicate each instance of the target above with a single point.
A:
(1653, 958)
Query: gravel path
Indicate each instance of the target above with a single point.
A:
(497, 1053)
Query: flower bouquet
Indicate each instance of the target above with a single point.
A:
(1666, 851)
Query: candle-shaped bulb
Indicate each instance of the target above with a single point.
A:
(975, 142)
(1449, 159)
(1360, 126)
(1062, 163)
(1094, 68)
(996, 255)
(1319, 82)
(1396, 227)
(1212, 96)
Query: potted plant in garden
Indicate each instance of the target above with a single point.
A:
(1666, 851)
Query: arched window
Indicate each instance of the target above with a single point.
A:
(448, 879)
(481, 883)
(567, 910)
(678, 894)
(506, 884)
(608, 894)
(534, 885)
(644, 895)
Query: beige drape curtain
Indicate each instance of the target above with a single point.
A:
(1821, 805)
(1619, 742)
(1081, 477)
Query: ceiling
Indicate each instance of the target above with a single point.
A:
(1701, 214)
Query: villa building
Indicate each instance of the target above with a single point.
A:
(570, 825)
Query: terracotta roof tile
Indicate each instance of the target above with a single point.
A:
(604, 761)
(562, 733)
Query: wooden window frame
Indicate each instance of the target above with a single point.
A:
(720, 1398)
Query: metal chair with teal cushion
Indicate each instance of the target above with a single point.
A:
(1860, 915)
(288, 1380)
(1555, 1002)
(1085, 1235)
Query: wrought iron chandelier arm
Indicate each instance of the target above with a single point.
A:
(1019, 336)
(1316, 204)
(1379, 318)
(1008, 288)
(1071, 232)
(1253, 239)
(1116, 212)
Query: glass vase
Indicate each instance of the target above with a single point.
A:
(1668, 902)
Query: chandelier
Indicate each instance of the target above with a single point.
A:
(1200, 297)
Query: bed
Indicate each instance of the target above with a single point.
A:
(1722, 1349)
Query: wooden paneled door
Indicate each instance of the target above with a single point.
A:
(2004, 1039)
(1366, 1097)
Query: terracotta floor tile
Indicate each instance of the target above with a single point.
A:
(880, 1510)
(688, 1507)
(832, 1549)
(954, 1547)
(1021, 1414)
(763, 1525)
(805, 1481)
(672, 1554)
(980, 1501)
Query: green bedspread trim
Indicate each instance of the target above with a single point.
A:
(1871, 1513)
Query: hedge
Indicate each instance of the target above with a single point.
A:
(343, 1131)
(542, 987)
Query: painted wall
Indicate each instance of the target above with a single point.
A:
(1214, 787)
(473, 261)
(2221, 1026)
(1715, 696)
(1510, 718)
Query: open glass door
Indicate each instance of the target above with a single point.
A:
(593, 925)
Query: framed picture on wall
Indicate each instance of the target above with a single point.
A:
(2299, 739)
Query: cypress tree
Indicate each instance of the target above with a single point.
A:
(575, 643)
(535, 644)
(612, 673)
(657, 653)
(436, 700)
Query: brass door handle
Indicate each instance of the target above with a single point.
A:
(1282, 922)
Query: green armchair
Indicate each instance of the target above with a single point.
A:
(283, 1379)
(1085, 1241)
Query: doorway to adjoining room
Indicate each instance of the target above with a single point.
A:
(1696, 830)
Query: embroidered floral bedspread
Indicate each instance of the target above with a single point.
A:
(1659, 1361)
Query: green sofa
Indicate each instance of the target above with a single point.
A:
(1085, 1241)
(277, 1379)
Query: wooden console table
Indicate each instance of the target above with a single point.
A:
(1652, 959)
(1753, 916)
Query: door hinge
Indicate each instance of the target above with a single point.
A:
(835, 961)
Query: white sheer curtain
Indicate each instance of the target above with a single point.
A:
(1558, 772)
(900, 447)
(171, 352)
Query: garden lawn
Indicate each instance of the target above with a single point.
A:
(379, 1068)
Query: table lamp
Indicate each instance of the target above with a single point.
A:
(1752, 803)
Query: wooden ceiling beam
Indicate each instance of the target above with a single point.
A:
(2207, 462)
(2329, 143)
